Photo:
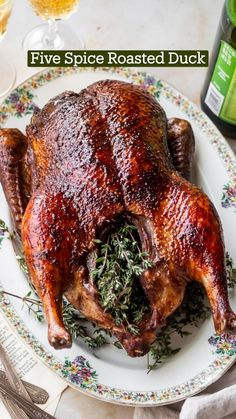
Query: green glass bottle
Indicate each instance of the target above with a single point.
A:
(218, 97)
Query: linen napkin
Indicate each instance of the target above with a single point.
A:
(216, 402)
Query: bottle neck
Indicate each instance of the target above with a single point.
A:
(231, 10)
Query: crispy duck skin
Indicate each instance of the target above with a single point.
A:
(95, 156)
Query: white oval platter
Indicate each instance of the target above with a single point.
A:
(108, 373)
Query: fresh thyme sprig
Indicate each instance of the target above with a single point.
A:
(230, 271)
(119, 265)
(33, 305)
(71, 319)
(192, 312)
(23, 265)
(3, 231)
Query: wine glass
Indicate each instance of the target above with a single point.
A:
(53, 35)
(7, 71)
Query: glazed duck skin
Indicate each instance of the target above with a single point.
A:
(95, 156)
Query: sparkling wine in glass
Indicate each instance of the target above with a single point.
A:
(53, 35)
(7, 71)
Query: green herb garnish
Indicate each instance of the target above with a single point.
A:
(3, 231)
(23, 265)
(71, 318)
(192, 312)
(119, 265)
(230, 271)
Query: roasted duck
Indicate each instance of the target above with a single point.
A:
(88, 158)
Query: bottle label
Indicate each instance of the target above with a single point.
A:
(221, 94)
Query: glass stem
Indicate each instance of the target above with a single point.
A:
(52, 38)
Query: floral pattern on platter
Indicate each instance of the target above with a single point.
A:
(228, 199)
(224, 344)
(18, 103)
(78, 371)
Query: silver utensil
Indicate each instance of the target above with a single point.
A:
(12, 376)
(15, 411)
(30, 409)
(37, 394)
(15, 391)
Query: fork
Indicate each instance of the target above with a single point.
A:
(16, 392)
(37, 394)
(32, 410)
(14, 410)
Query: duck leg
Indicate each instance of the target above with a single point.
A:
(195, 245)
(181, 144)
(46, 236)
(15, 172)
